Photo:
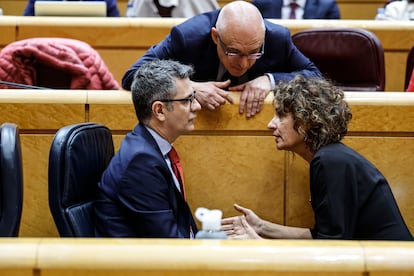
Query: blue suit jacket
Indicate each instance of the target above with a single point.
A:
(137, 194)
(111, 8)
(314, 9)
(191, 43)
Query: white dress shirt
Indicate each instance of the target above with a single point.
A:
(399, 10)
(299, 9)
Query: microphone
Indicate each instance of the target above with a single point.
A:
(20, 85)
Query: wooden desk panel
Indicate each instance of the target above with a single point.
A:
(117, 118)
(41, 116)
(114, 110)
(385, 258)
(208, 257)
(119, 60)
(36, 218)
(125, 257)
(42, 109)
(381, 112)
(222, 170)
(101, 32)
(18, 256)
(121, 41)
(395, 59)
(227, 159)
(385, 119)
(8, 33)
(13, 7)
(350, 9)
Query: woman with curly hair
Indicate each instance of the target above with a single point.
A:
(350, 198)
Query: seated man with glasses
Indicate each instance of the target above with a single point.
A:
(231, 49)
(141, 193)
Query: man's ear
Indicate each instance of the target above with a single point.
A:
(213, 34)
(158, 110)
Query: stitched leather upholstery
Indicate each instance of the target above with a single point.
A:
(11, 180)
(78, 156)
(351, 58)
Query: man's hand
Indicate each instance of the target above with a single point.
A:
(253, 95)
(211, 95)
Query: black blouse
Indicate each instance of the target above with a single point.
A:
(351, 199)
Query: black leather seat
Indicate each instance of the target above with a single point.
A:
(11, 180)
(352, 58)
(78, 155)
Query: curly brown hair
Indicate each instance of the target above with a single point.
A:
(319, 110)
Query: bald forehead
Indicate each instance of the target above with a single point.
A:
(240, 15)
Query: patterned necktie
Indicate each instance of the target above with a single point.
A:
(293, 6)
(178, 170)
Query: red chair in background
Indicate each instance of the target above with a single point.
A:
(352, 58)
(409, 72)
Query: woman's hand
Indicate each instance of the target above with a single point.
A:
(246, 226)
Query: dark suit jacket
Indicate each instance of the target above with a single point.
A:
(137, 194)
(314, 9)
(191, 43)
(111, 8)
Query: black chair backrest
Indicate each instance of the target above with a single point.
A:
(409, 67)
(78, 156)
(352, 58)
(11, 180)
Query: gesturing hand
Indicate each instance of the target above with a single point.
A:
(246, 226)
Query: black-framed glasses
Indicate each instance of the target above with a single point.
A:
(238, 55)
(189, 99)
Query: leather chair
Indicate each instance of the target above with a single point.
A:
(11, 180)
(409, 68)
(78, 156)
(352, 58)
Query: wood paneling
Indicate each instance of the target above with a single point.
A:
(121, 41)
(227, 159)
(350, 9)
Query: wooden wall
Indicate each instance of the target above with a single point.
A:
(120, 41)
(350, 9)
(227, 159)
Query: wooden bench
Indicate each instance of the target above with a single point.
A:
(227, 159)
(127, 257)
(120, 41)
(350, 9)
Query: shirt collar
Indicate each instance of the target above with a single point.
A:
(301, 3)
(163, 144)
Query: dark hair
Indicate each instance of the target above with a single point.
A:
(319, 110)
(155, 80)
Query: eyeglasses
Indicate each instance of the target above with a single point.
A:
(238, 55)
(186, 99)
